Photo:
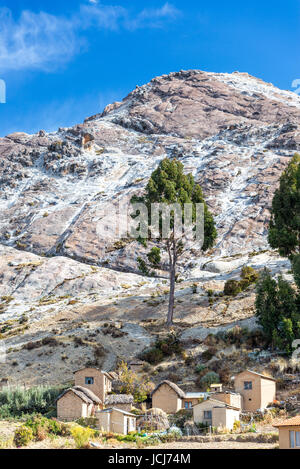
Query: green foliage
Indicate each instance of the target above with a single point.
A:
(131, 383)
(18, 401)
(296, 269)
(232, 287)
(277, 311)
(143, 266)
(284, 230)
(23, 436)
(208, 379)
(248, 276)
(169, 185)
(39, 424)
(154, 257)
(82, 436)
(162, 348)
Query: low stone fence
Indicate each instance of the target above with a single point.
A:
(241, 437)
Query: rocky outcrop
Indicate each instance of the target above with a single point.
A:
(60, 252)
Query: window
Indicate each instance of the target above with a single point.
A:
(89, 380)
(294, 439)
(247, 384)
(207, 414)
(188, 405)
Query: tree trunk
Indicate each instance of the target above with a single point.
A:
(171, 296)
(172, 250)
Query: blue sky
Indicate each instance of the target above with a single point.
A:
(65, 60)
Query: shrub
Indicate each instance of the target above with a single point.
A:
(209, 353)
(200, 368)
(232, 288)
(249, 274)
(23, 436)
(81, 436)
(18, 401)
(208, 379)
(164, 347)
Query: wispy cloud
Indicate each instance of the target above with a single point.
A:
(35, 40)
(44, 41)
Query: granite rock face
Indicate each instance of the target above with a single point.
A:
(59, 192)
(234, 132)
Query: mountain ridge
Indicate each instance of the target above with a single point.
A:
(235, 133)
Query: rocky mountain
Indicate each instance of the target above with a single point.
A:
(60, 277)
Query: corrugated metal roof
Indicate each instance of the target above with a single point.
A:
(195, 395)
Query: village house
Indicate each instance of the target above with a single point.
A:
(168, 397)
(116, 421)
(289, 433)
(257, 390)
(121, 401)
(77, 402)
(96, 380)
(214, 413)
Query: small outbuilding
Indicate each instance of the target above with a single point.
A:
(116, 421)
(77, 402)
(121, 401)
(289, 433)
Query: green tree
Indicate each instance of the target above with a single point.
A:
(169, 185)
(284, 230)
(277, 311)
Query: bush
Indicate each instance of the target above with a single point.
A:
(164, 347)
(209, 354)
(232, 288)
(82, 436)
(23, 436)
(208, 379)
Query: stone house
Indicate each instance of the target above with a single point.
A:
(77, 402)
(96, 380)
(214, 413)
(257, 390)
(121, 401)
(168, 397)
(289, 433)
(116, 421)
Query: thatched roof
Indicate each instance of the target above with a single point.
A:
(84, 394)
(114, 399)
(180, 393)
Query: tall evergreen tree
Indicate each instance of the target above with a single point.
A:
(277, 302)
(277, 311)
(169, 185)
(284, 230)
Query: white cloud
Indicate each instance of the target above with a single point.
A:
(36, 40)
(44, 41)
